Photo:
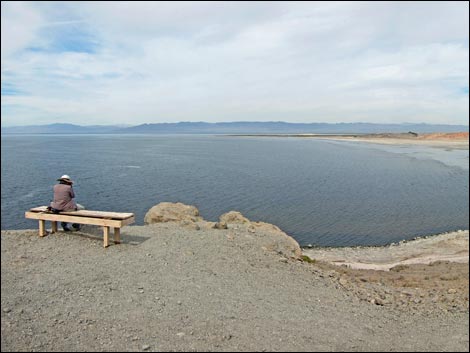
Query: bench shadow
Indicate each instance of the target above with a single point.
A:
(125, 239)
(97, 234)
(133, 239)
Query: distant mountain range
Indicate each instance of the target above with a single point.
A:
(62, 129)
(271, 127)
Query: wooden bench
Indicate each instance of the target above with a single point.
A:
(99, 218)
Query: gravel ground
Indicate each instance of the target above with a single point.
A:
(171, 288)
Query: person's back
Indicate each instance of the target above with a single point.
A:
(64, 199)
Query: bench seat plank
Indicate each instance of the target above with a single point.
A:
(88, 213)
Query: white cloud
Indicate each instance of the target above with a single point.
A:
(136, 62)
(20, 24)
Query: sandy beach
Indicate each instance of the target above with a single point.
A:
(459, 140)
(454, 140)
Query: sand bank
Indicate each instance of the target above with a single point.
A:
(451, 247)
(448, 141)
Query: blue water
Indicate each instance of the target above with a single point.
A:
(324, 193)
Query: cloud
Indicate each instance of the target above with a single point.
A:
(137, 62)
(20, 24)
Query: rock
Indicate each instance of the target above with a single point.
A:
(378, 301)
(277, 240)
(233, 217)
(220, 225)
(189, 225)
(172, 212)
(206, 224)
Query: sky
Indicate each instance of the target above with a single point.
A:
(113, 63)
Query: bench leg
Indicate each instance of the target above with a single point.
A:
(105, 236)
(117, 235)
(42, 228)
(54, 226)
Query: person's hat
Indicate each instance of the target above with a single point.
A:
(65, 178)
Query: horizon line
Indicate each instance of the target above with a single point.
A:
(125, 125)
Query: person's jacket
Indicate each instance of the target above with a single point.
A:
(63, 198)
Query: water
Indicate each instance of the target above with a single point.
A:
(324, 193)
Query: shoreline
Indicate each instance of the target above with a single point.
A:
(448, 144)
(450, 247)
(450, 140)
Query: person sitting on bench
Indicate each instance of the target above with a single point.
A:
(64, 200)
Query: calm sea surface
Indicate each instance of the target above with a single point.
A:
(325, 193)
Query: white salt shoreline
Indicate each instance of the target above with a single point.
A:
(452, 247)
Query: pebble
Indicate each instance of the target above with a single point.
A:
(378, 301)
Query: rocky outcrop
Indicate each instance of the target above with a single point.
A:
(268, 236)
(278, 240)
(172, 212)
(233, 217)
